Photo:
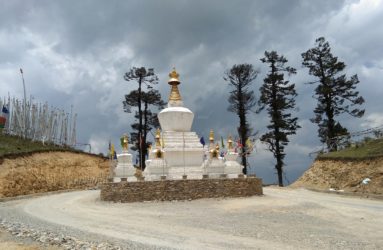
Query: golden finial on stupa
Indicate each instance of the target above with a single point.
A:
(230, 142)
(124, 142)
(158, 137)
(211, 135)
(174, 76)
(159, 153)
(214, 152)
(174, 81)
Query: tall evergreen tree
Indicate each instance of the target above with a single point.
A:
(150, 119)
(335, 93)
(278, 97)
(242, 100)
(145, 77)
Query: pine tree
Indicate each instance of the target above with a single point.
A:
(278, 97)
(148, 78)
(242, 100)
(335, 93)
(150, 119)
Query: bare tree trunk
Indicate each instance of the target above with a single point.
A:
(279, 166)
(140, 124)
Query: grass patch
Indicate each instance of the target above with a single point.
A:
(14, 145)
(368, 149)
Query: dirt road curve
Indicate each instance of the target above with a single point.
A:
(282, 219)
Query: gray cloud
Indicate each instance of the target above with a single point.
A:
(76, 52)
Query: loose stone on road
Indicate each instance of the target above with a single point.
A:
(281, 219)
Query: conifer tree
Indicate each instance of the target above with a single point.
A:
(278, 97)
(150, 119)
(136, 98)
(335, 93)
(242, 100)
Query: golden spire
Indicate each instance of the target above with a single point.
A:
(174, 81)
(211, 136)
(158, 137)
(230, 142)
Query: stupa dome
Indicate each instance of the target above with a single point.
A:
(178, 119)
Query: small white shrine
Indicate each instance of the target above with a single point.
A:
(232, 167)
(156, 165)
(124, 168)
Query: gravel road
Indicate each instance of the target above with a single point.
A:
(281, 219)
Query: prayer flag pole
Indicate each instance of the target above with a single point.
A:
(25, 104)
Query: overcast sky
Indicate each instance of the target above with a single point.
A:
(76, 52)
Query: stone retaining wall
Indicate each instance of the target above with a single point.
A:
(167, 190)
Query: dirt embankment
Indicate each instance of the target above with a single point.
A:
(51, 171)
(344, 175)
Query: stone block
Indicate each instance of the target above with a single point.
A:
(187, 189)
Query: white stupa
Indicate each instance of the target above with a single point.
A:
(214, 164)
(181, 153)
(232, 167)
(182, 146)
(156, 165)
(124, 168)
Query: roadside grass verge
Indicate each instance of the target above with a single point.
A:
(369, 149)
(15, 146)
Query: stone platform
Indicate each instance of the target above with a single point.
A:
(167, 190)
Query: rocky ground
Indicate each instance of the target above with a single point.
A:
(281, 219)
(346, 175)
(17, 235)
(8, 242)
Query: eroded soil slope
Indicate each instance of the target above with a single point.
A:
(344, 175)
(50, 171)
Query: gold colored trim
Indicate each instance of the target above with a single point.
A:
(174, 76)
(125, 142)
(174, 82)
(230, 142)
(159, 154)
(174, 93)
(158, 137)
(211, 136)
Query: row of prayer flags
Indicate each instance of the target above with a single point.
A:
(248, 143)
